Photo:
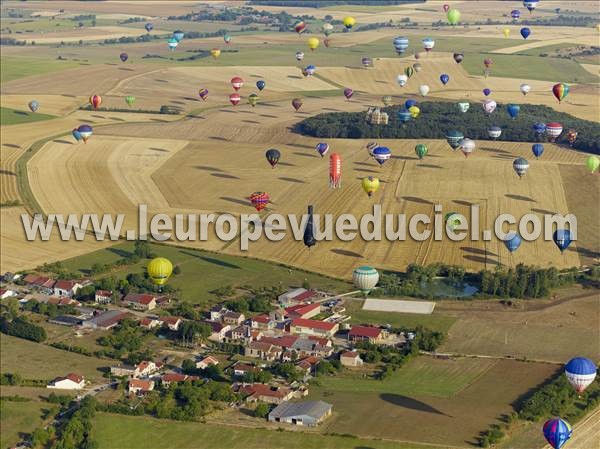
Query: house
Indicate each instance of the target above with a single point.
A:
(297, 296)
(306, 413)
(239, 334)
(140, 386)
(66, 288)
(140, 301)
(311, 345)
(71, 381)
(233, 318)
(169, 378)
(303, 311)
(351, 358)
(285, 341)
(265, 393)
(263, 351)
(308, 364)
(42, 283)
(241, 369)
(262, 322)
(366, 333)
(124, 371)
(172, 322)
(219, 330)
(149, 322)
(206, 362)
(5, 293)
(278, 314)
(217, 312)
(145, 368)
(105, 320)
(63, 301)
(103, 297)
(313, 327)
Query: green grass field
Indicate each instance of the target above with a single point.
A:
(10, 116)
(129, 432)
(14, 67)
(18, 418)
(423, 376)
(47, 25)
(203, 271)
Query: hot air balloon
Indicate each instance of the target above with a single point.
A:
(539, 129)
(312, 43)
(525, 32)
(297, 103)
(260, 84)
(515, 14)
(537, 149)
(215, 53)
(444, 78)
(557, 10)
(123, 57)
(149, 27)
(129, 99)
(467, 146)
(417, 55)
(512, 241)
(172, 43)
(560, 91)
(370, 185)
(237, 82)
(463, 106)
(424, 89)
(494, 132)
(452, 220)
(381, 154)
(421, 150)
(159, 270)
(530, 4)
(553, 130)
(580, 373)
(400, 44)
(260, 200)
(506, 32)
(525, 88)
(335, 171)
(365, 279)
(299, 56)
(410, 103)
(300, 27)
(414, 111)
(458, 57)
(592, 163)
(446, 7)
(95, 101)
(178, 34)
(203, 93)
(327, 29)
(326, 42)
(408, 71)
(453, 16)
(309, 230)
(453, 138)
(488, 62)
(562, 239)
(486, 91)
(322, 148)
(520, 166)
(34, 105)
(349, 22)
(386, 100)
(348, 93)
(417, 66)
(557, 431)
(234, 99)
(366, 62)
(227, 38)
(402, 80)
(428, 44)
(404, 115)
(85, 131)
(76, 134)
(253, 99)
(310, 69)
(370, 147)
(489, 106)
(273, 156)
(571, 136)
(513, 110)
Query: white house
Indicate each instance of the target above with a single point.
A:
(103, 297)
(206, 362)
(5, 293)
(66, 288)
(71, 381)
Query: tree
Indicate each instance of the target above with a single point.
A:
(262, 410)
(188, 367)
(142, 249)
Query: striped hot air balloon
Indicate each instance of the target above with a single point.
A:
(237, 82)
(370, 147)
(322, 148)
(203, 93)
(234, 99)
(85, 132)
(467, 146)
(367, 62)
(560, 91)
(553, 129)
(400, 44)
(453, 138)
(428, 44)
(562, 239)
(273, 156)
(95, 101)
(381, 154)
(580, 373)
(159, 270)
(520, 166)
(259, 200)
(365, 279)
(557, 431)
(335, 171)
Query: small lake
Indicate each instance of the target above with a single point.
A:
(442, 288)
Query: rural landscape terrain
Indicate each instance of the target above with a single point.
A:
(241, 108)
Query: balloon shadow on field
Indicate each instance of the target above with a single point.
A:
(11, 145)
(463, 203)
(294, 180)
(406, 158)
(520, 198)
(294, 77)
(212, 260)
(345, 252)
(125, 69)
(254, 122)
(480, 259)
(286, 164)
(235, 200)
(481, 252)
(543, 211)
(65, 142)
(495, 150)
(268, 115)
(414, 199)
(363, 164)
(428, 166)
(207, 168)
(162, 150)
(410, 403)
(218, 138)
(306, 155)
(7, 172)
(224, 175)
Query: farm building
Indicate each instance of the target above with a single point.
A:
(169, 378)
(351, 358)
(172, 322)
(297, 296)
(66, 288)
(265, 393)
(262, 322)
(366, 333)
(105, 320)
(313, 327)
(65, 320)
(140, 386)
(103, 297)
(140, 301)
(71, 381)
(308, 413)
(305, 311)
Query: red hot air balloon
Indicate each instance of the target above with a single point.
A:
(237, 83)
(348, 93)
(95, 101)
(234, 99)
(259, 200)
(446, 8)
(297, 103)
(335, 171)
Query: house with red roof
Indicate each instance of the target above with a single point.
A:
(149, 323)
(140, 386)
(305, 311)
(172, 322)
(42, 283)
(207, 361)
(371, 334)
(103, 297)
(219, 330)
(265, 393)
(313, 327)
(169, 378)
(298, 296)
(240, 369)
(146, 367)
(263, 322)
(140, 301)
(66, 288)
(308, 364)
(71, 381)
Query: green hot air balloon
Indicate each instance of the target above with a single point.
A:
(130, 99)
(453, 16)
(592, 163)
(409, 71)
(253, 99)
(453, 138)
(452, 220)
(421, 150)
(463, 106)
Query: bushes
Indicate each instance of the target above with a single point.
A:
(20, 327)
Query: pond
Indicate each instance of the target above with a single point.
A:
(442, 288)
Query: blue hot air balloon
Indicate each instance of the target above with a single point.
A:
(322, 148)
(530, 4)
(557, 431)
(513, 110)
(562, 238)
(178, 35)
(381, 154)
(487, 91)
(404, 115)
(525, 32)
(512, 242)
(260, 84)
(515, 14)
(453, 138)
(539, 128)
(580, 373)
(400, 44)
(537, 149)
(410, 103)
(149, 27)
(172, 43)
(444, 78)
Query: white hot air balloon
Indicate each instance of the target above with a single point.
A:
(580, 373)
(402, 80)
(525, 88)
(463, 106)
(423, 89)
(467, 146)
(365, 279)
(489, 106)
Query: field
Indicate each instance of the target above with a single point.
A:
(14, 67)
(18, 419)
(14, 116)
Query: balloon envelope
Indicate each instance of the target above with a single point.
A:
(159, 270)
(400, 44)
(322, 148)
(525, 32)
(404, 115)
(444, 78)
(423, 89)
(494, 132)
(348, 93)
(513, 110)
(458, 57)
(259, 200)
(365, 279)
(453, 138)
(410, 103)
(237, 82)
(580, 373)
(525, 88)
(592, 163)
(537, 149)
(381, 154)
(486, 91)
(34, 105)
(520, 166)
(312, 43)
(557, 431)
(421, 150)
(560, 91)
(512, 242)
(562, 239)
(349, 22)
(203, 93)
(453, 16)
(273, 156)
(260, 84)
(123, 57)
(370, 185)
(149, 27)
(489, 106)
(297, 103)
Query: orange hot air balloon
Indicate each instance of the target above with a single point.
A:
(259, 200)
(95, 101)
(234, 99)
(335, 171)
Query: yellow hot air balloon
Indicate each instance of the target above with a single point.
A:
(414, 111)
(370, 185)
(160, 269)
(253, 99)
(215, 53)
(506, 32)
(349, 22)
(313, 43)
